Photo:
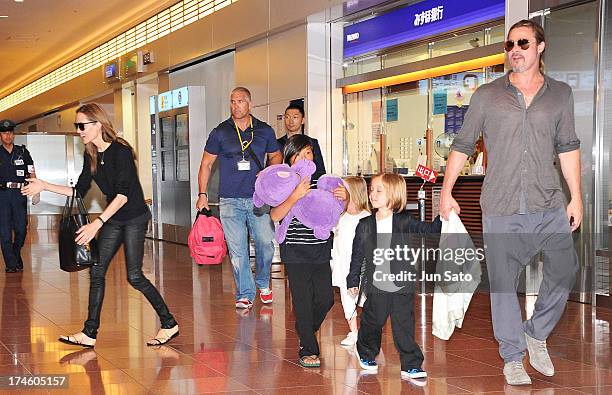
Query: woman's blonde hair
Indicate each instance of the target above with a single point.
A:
(358, 190)
(395, 187)
(94, 112)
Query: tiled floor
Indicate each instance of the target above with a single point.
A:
(222, 350)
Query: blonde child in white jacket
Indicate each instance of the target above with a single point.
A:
(343, 245)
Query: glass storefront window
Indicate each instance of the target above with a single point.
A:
(362, 66)
(386, 129)
(419, 52)
(404, 124)
(404, 56)
(458, 43)
(495, 34)
(362, 128)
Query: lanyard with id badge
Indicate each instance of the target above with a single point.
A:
(243, 164)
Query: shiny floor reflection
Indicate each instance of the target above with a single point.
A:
(224, 350)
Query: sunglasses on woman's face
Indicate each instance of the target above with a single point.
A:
(81, 125)
(523, 43)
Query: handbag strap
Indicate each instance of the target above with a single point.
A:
(70, 203)
(65, 209)
(255, 157)
(81, 207)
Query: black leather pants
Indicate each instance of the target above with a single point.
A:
(132, 235)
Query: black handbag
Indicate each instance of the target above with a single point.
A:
(74, 257)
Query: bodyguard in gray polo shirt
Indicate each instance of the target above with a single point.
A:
(526, 119)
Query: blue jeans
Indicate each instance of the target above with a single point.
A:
(238, 223)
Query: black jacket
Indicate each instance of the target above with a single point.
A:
(404, 230)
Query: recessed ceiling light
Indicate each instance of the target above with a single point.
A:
(3, 16)
(18, 1)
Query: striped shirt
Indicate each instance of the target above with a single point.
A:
(301, 245)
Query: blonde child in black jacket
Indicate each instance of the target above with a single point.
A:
(387, 283)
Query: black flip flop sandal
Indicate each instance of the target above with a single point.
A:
(75, 342)
(304, 363)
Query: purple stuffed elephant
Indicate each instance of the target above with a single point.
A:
(318, 210)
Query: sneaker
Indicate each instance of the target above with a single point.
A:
(515, 373)
(350, 339)
(244, 303)
(366, 364)
(414, 373)
(538, 356)
(265, 295)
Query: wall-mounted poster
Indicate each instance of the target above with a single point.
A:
(376, 111)
(376, 132)
(453, 120)
(167, 132)
(182, 164)
(439, 102)
(167, 162)
(392, 110)
(182, 130)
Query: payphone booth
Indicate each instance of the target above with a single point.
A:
(177, 131)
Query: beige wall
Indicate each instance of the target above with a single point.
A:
(274, 70)
(145, 89)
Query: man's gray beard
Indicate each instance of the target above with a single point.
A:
(518, 69)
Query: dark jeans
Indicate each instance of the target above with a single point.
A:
(132, 235)
(376, 310)
(13, 220)
(312, 296)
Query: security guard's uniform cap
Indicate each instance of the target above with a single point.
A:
(6, 125)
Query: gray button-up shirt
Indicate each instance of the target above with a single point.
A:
(521, 144)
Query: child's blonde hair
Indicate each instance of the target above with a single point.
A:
(358, 190)
(395, 187)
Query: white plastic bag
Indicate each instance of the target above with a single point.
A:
(451, 299)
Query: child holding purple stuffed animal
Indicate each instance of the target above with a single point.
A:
(306, 259)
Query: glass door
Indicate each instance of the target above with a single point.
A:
(570, 57)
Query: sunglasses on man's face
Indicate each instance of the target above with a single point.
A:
(523, 43)
(81, 125)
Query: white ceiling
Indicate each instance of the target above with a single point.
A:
(41, 35)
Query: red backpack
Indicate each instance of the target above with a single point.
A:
(206, 240)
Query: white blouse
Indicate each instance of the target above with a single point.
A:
(343, 247)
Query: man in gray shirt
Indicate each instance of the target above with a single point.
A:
(526, 118)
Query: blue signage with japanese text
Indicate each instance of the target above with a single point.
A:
(440, 100)
(417, 21)
(391, 110)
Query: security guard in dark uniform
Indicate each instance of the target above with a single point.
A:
(15, 166)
